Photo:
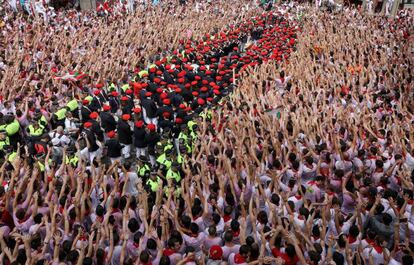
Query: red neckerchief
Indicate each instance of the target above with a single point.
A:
(115, 210)
(377, 248)
(312, 182)
(99, 219)
(369, 241)
(168, 252)
(410, 202)
(300, 217)
(239, 259)
(136, 245)
(236, 233)
(372, 157)
(226, 218)
(351, 239)
(315, 238)
(298, 197)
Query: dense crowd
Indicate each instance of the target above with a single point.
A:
(207, 133)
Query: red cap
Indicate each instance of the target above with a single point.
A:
(85, 102)
(166, 101)
(193, 83)
(164, 95)
(216, 92)
(148, 94)
(106, 107)
(180, 80)
(136, 110)
(152, 70)
(151, 127)
(204, 89)
(166, 114)
(178, 120)
(182, 106)
(200, 101)
(216, 252)
(159, 90)
(114, 93)
(87, 124)
(93, 115)
(128, 91)
(99, 86)
(177, 90)
(124, 98)
(139, 124)
(195, 93)
(126, 117)
(111, 134)
(204, 82)
(136, 85)
(96, 92)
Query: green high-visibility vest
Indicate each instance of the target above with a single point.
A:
(73, 161)
(154, 184)
(12, 156)
(42, 166)
(168, 147)
(89, 98)
(173, 175)
(35, 132)
(13, 128)
(4, 142)
(61, 114)
(42, 122)
(183, 136)
(142, 73)
(180, 159)
(112, 87)
(141, 170)
(162, 159)
(72, 105)
(177, 191)
(125, 87)
(190, 125)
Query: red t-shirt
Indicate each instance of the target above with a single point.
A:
(288, 260)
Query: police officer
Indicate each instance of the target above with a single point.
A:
(174, 172)
(154, 182)
(143, 166)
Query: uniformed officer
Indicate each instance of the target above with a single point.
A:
(154, 183)
(143, 166)
(174, 172)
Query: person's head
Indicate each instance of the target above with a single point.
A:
(386, 218)
(144, 257)
(151, 244)
(100, 211)
(212, 231)
(228, 236)
(165, 260)
(380, 241)
(407, 260)
(314, 256)
(354, 231)
(338, 258)
(194, 228)
(235, 226)
(173, 243)
(244, 251)
(133, 225)
(38, 218)
(290, 250)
